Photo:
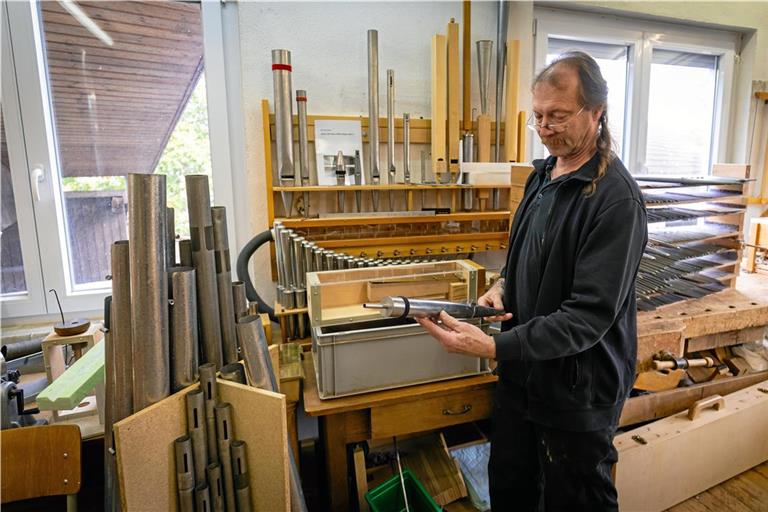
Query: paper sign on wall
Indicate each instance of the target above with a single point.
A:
(332, 137)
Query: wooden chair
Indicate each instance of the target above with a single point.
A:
(40, 461)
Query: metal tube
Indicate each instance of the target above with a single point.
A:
(298, 260)
(301, 302)
(216, 487)
(340, 168)
(243, 495)
(202, 498)
(468, 144)
(484, 49)
(501, 57)
(240, 475)
(185, 252)
(252, 334)
(224, 284)
(317, 255)
(286, 249)
(276, 229)
(185, 472)
(239, 300)
(301, 109)
(149, 292)
(201, 233)
(111, 489)
(224, 435)
(309, 262)
(170, 230)
(403, 307)
(233, 372)
(373, 111)
(196, 428)
(281, 80)
(391, 132)
(253, 308)
(406, 148)
(208, 383)
(120, 333)
(183, 327)
(358, 174)
(187, 500)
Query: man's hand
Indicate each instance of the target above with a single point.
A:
(459, 337)
(493, 299)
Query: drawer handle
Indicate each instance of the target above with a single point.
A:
(464, 410)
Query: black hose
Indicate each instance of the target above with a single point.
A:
(22, 348)
(242, 271)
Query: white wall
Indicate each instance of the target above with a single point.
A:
(328, 46)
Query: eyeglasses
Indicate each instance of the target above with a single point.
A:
(558, 127)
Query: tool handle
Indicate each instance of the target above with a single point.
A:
(716, 401)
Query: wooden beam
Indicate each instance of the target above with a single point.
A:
(439, 103)
(454, 97)
(466, 64)
(511, 111)
(659, 405)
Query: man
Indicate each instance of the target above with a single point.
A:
(567, 348)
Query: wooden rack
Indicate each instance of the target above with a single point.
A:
(399, 234)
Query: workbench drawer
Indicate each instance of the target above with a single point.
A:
(432, 413)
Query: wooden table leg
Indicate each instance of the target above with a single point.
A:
(293, 435)
(336, 461)
(754, 236)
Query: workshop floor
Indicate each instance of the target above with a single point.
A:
(745, 492)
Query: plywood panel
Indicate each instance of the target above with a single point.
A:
(683, 457)
(144, 443)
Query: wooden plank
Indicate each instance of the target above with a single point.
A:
(69, 389)
(521, 131)
(483, 138)
(145, 460)
(658, 335)
(361, 478)
(39, 461)
(731, 170)
(511, 100)
(659, 405)
(466, 62)
(454, 97)
(301, 223)
(704, 450)
(439, 103)
(724, 339)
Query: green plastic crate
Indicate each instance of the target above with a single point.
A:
(388, 497)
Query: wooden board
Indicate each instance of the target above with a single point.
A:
(466, 62)
(653, 406)
(683, 457)
(145, 459)
(40, 461)
(69, 389)
(439, 103)
(454, 95)
(724, 339)
(483, 138)
(511, 100)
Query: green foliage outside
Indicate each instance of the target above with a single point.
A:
(187, 152)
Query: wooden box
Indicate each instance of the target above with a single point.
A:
(337, 297)
(668, 461)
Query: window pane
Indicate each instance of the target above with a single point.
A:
(127, 96)
(12, 280)
(612, 59)
(681, 112)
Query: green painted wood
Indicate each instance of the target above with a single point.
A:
(75, 383)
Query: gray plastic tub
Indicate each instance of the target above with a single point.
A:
(360, 358)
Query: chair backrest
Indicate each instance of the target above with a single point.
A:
(39, 461)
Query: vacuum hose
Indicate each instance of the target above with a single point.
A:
(242, 271)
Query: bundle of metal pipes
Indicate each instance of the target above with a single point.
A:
(211, 465)
(160, 311)
(296, 256)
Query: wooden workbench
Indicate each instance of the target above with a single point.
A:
(384, 414)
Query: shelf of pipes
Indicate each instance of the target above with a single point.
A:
(460, 225)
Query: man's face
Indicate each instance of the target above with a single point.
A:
(558, 105)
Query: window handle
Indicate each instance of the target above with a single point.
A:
(38, 175)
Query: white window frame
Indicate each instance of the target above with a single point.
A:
(642, 36)
(27, 43)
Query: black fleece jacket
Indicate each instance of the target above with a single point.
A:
(567, 357)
